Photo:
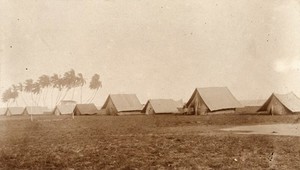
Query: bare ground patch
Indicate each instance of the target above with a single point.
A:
(142, 142)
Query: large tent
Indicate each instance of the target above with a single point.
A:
(250, 106)
(281, 104)
(14, 111)
(212, 100)
(121, 104)
(161, 106)
(63, 109)
(35, 110)
(85, 109)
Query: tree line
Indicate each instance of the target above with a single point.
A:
(38, 90)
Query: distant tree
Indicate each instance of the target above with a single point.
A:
(69, 81)
(36, 90)
(14, 94)
(28, 88)
(44, 82)
(20, 88)
(80, 81)
(56, 84)
(76, 81)
(7, 96)
(95, 84)
(39, 89)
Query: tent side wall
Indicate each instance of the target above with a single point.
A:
(3, 111)
(225, 111)
(14, 112)
(76, 111)
(57, 112)
(26, 112)
(248, 109)
(197, 105)
(149, 109)
(190, 106)
(110, 108)
(275, 107)
(102, 112)
(8, 113)
(129, 113)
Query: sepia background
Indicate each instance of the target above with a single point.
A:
(156, 49)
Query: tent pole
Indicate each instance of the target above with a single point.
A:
(196, 107)
(272, 110)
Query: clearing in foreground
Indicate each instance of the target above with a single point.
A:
(143, 142)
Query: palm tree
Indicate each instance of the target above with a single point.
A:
(74, 80)
(28, 88)
(80, 82)
(36, 89)
(20, 88)
(14, 94)
(44, 82)
(57, 82)
(54, 83)
(95, 84)
(7, 96)
(69, 81)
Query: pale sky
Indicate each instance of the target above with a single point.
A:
(155, 48)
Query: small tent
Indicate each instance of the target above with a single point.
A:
(250, 106)
(281, 104)
(85, 109)
(63, 109)
(35, 110)
(121, 104)
(161, 106)
(3, 111)
(212, 100)
(14, 111)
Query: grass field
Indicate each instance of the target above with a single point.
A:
(144, 142)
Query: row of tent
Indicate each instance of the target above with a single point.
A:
(219, 100)
(79, 109)
(210, 100)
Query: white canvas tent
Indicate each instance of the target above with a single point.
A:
(161, 106)
(63, 109)
(212, 100)
(3, 111)
(35, 110)
(281, 104)
(85, 109)
(120, 104)
(14, 111)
